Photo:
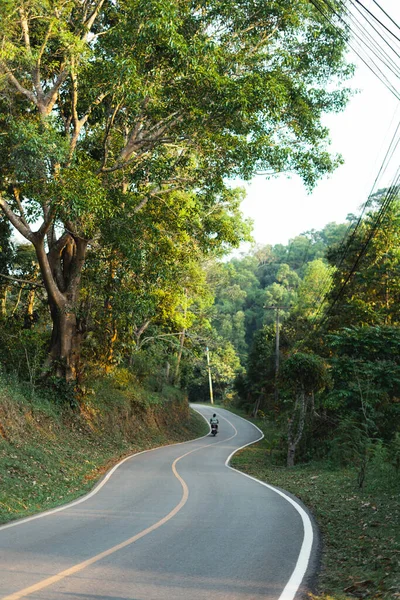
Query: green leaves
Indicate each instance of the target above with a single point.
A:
(372, 294)
(82, 198)
(33, 148)
(306, 372)
(123, 121)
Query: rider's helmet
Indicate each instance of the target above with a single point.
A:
(214, 415)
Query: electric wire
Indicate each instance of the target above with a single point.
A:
(361, 39)
(359, 30)
(346, 245)
(376, 19)
(388, 156)
(353, 19)
(356, 47)
(386, 14)
(359, 42)
(391, 195)
(377, 26)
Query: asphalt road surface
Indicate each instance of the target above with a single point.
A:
(175, 523)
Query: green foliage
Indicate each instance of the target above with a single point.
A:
(59, 391)
(372, 294)
(6, 248)
(22, 351)
(312, 289)
(224, 366)
(255, 387)
(366, 375)
(358, 379)
(307, 372)
(120, 129)
(394, 452)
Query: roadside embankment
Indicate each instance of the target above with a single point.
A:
(51, 454)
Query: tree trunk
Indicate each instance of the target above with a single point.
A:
(112, 333)
(65, 344)
(30, 305)
(18, 300)
(181, 341)
(111, 330)
(178, 361)
(294, 438)
(257, 405)
(61, 270)
(291, 454)
(3, 300)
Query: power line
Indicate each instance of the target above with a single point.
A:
(380, 55)
(370, 37)
(390, 196)
(346, 244)
(386, 14)
(325, 8)
(362, 43)
(376, 18)
(388, 156)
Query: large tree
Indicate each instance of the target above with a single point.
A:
(106, 106)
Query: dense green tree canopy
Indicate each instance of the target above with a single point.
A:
(108, 107)
(370, 266)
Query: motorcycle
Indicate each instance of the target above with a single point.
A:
(214, 428)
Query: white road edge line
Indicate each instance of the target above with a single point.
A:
(297, 576)
(291, 588)
(97, 488)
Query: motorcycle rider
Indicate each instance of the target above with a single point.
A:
(214, 421)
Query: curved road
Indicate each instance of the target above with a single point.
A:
(169, 524)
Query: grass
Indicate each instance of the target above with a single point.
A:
(50, 456)
(360, 528)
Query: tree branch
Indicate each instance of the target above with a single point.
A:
(60, 244)
(50, 98)
(49, 214)
(49, 281)
(17, 221)
(25, 30)
(17, 198)
(28, 94)
(78, 123)
(107, 133)
(23, 281)
(91, 19)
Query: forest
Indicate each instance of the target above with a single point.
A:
(305, 335)
(122, 129)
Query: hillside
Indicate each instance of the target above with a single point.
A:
(50, 454)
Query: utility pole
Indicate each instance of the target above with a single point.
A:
(209, 376)
(276, 345)
(276, 309)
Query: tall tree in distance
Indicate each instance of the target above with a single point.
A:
(108, 106)
(366, 287)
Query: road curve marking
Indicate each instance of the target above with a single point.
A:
(90, 561)
(291, 588)
(96, 489)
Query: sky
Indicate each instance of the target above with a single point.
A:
(281, 208)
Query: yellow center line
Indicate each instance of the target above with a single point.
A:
(90, 561)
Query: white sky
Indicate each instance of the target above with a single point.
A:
(281, 207)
